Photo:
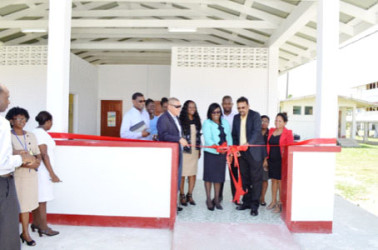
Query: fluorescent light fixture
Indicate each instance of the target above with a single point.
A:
(182, 29)
(34, 30)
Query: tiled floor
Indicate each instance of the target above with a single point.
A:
(232, 236)
(229, 214)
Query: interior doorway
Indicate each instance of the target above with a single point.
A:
(111, 117)
(71, 112)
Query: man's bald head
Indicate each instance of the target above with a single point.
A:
(4, 97)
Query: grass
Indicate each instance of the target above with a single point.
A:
(357, 175)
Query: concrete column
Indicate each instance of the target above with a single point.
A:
(58, 67)
(326, 110)
(354, 124)
(366, 131)
(273, 100)
(343, 123)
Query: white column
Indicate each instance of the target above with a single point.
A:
(273, 100)
(366, 131)
(354, 124)
(327, 66)
(58, 68)
(343, 123)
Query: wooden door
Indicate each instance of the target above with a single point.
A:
(71, 102)
(111, 117)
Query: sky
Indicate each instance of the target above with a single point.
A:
(358, 66)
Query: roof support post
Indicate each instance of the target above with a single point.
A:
(327, 69)
(353, 128)
(366, 131)
(273, 101)
(58, 67)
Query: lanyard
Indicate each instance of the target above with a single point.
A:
(18, 139)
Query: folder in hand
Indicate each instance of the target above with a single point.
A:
(139, 127)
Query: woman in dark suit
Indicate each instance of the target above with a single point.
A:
(216, 131)
(277, 138)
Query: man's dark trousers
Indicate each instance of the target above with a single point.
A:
(9, 211)
(252, 174)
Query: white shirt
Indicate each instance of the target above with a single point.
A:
(230, 117)
(132, 117)
(8, 161)
(176, 122)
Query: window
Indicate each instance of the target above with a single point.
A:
(308, 110)
(297, 110)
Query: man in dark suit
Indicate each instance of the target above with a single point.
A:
(246, 129)
(169, 129)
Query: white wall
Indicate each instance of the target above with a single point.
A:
(119, 82)
(27, 86)
(120, 189)
(84, 84)
(303, 125)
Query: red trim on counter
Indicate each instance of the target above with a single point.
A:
(108, 221)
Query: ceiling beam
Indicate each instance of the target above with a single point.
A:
(136, 13)
(128, 46)
(359, 13)
(90, 23)
(299, 17)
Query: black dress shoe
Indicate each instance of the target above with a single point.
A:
(210, 205)
(179, 208)
(254, 212)
(243, 207)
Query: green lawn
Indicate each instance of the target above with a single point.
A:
(357, 176)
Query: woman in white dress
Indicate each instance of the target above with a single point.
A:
(46, 174)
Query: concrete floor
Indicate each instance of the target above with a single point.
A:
(198, 228)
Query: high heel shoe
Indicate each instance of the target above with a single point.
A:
(48, 232)
(183, 200)
(34, 227)
(271, 206)
(218, 206)
(29, 243)
(278, 208)
(190, 199)
(210, 205)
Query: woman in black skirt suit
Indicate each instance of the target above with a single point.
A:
(216, 131)
(277, 138)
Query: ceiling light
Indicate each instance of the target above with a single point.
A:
(34, 30)
(187, 29)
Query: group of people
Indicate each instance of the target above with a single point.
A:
(182, 124)
(26, 174)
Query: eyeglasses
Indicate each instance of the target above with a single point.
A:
(239, 108)
(20, 119)
(216, 112)
(176, 106)
(141, 101)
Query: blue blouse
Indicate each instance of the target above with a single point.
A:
(211, 134)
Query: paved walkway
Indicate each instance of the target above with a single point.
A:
(198, 228)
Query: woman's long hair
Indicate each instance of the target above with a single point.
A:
(184, 118)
